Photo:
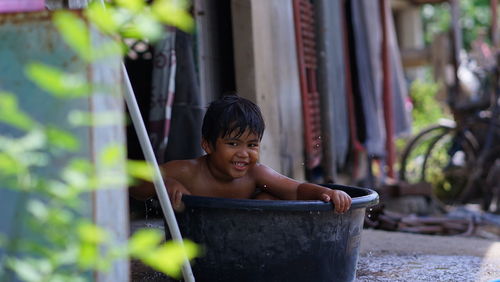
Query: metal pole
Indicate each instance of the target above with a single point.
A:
(160, 188)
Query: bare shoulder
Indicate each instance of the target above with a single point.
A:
(179, 168)
(263, 173)
(261, 170)
(275, 183)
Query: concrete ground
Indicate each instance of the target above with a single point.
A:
(397, 256)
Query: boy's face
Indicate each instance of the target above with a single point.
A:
(233, 156)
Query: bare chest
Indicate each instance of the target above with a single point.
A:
(237, 189)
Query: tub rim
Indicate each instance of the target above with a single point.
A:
(368, 199)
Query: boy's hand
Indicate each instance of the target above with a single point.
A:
(175, 191)
(340, 200)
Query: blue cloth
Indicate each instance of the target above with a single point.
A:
(367, 32)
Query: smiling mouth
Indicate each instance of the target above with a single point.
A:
(240, 165)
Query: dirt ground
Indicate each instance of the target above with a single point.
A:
(397, 256)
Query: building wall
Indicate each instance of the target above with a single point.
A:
(267, 73)
(29, 37)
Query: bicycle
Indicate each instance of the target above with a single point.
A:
(460, 158)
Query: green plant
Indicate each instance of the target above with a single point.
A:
(426, 109)
(36, 249)
(475, 17)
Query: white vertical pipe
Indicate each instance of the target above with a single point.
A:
(160, 188)
(147, 149)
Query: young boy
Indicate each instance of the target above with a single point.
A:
(231, 133)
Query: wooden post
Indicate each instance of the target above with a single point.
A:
(385, 11)
(494, 23)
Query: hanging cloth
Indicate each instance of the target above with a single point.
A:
(368, 39)
(187, 108)
(162, 93)
(332, 86)
(401, 112)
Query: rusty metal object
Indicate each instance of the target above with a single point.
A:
(466, 224)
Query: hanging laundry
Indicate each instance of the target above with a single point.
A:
(367, 35)
(187, 109)
(162, 93)
(332, 84)
(401, 112)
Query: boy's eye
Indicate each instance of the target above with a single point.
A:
(253, 145)
(234, 144)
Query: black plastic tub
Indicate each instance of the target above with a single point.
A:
(256, 240)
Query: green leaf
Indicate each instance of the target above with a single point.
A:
(131, 31)
(173, 13)
(75, 32)
(34, 140)
(9, 165)
(24, 270)
(81, 165)
(144, 241)
(57, 82)
(92, 233)
(38, 209)
(147, 27)
(30, 270)
(103, 17)
(81, 118)
(60, 216)
(169, 257)
(108, 49)
(62, 139)
(61, 191)
(140, 169)
(76, 179)
(132, 5)
(88, 255)
(11, 114)
(112, 155)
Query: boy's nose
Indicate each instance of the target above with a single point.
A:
(242, 153)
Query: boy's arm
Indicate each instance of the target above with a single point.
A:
(142, 190)
(289, 189)
(145, 189)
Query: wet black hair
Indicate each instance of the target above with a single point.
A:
(231, 114)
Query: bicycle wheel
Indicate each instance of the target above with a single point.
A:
(412, 158)
(439, 155)
(446, 164)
